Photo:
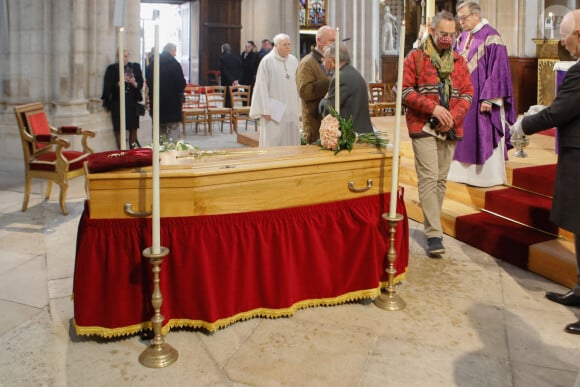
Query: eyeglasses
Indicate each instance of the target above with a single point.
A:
(462, 18)
(446, 34)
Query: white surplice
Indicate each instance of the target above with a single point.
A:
(275, 88)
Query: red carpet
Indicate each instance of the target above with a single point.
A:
(548, 132)
(538, 179)
(505, 239)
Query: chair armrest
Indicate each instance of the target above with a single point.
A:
(52, 139)
(77, 130)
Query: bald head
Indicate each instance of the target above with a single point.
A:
(570, 22)
(570, 31)
(325, 36)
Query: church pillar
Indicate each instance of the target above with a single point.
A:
(359, 21)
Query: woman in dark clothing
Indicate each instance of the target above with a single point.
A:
(133, 96)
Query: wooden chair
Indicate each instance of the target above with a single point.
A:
(44, 151)
(194, 108)
(215, 97)
(381, 101)
(241, 98)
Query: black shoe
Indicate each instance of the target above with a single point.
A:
(573, 328)
(568, 299)
(435, 246)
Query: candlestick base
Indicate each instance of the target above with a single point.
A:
(159, 354)
(391, 300)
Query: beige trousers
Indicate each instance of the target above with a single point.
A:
(432, 161)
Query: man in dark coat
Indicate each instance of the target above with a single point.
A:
(229, 70)
(171, 86)
(249, 64)
(354, 95)
(565, 115)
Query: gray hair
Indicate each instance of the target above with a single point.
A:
(343, 54)
(170, 47)
(472, 7)
(226, 48)
(442, 15)
(280, 37)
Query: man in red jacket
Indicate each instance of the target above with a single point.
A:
(437, 91)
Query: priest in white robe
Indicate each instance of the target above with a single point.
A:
(275, 100)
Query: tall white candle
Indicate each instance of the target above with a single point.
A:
(122, 124)
(396, 141)
(156, 221)
(337, 73)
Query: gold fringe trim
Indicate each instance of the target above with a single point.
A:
(222, 323)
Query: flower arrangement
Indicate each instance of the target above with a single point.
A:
(167, 145)
(337, 134)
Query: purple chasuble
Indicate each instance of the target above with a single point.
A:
(489, 66)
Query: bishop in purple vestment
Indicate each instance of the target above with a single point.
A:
(486, 125)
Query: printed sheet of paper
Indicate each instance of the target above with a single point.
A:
(277, 109)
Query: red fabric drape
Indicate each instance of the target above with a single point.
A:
(224, 268)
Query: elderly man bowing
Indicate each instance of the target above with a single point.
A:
(275, 101)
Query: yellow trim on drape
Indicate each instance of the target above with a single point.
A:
(222, 323)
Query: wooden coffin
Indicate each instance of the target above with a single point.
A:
(243, 180)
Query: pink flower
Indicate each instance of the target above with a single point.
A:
(329, 132)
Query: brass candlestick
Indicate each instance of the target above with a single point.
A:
(158, 354)
(391, 300)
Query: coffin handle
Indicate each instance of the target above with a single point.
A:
(140, 214)
(354, 189)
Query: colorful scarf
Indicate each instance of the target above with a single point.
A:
(444, 65)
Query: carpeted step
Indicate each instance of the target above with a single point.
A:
(498, 237)
(538, 179)
(555, 260)
(522, 206)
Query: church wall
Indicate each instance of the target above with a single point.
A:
(263, 19)
(57, 52)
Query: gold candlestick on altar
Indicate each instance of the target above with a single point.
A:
(390, 300)
(158, 354)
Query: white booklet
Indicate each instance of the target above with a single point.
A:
(277, 109)
(433, 132)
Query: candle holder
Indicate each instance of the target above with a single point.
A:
(158, 354)
(391, 300)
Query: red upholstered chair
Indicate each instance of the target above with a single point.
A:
(45, 156)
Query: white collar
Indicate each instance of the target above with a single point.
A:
(479, 26)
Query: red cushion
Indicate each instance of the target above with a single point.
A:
(47, 161)
(111, 160)
(70, 129)
(38, 125)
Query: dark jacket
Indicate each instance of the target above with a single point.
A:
(133, 95)
(171, 86)
(564, 114)
(249, 67)
(354, 99)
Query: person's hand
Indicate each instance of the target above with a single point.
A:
(267, 117)
(485, 107)
(445, 118)
(516, 130)
(534, 109)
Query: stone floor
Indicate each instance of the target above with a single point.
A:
(470, 320)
